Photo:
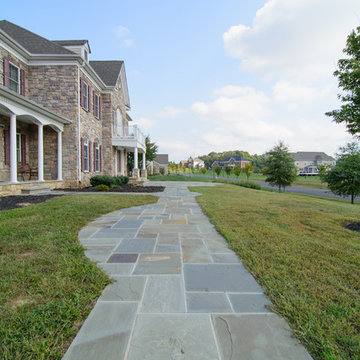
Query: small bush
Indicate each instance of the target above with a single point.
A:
(121, 179)
(102, 187)
(247, 184)
(102, 180)
(162, 171)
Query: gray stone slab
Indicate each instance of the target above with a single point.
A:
(250, 303)
(87, 232)
(196, 254)
(216, 246)
(100, 242)
(136, 246)
(105, 333)
(257, 337)
(98, 253)
(115, 233)
(219, 277)
(125, 288)
(128, 224)
(167, 249)
(123, 258)
(169, 238)
(207, 302)
(167, 263)
(225, 258)
(166, 228)
(116, 268)
(164, 294)
(178, 336)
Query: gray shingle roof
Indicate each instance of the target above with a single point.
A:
(107, 70)
(162, 159)
(311, 156)
(70, 42)
(33, 43)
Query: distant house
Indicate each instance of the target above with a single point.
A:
(231, 161)
(195, 163)
(159, 164)
(308, 161)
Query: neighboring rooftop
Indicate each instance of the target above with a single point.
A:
(31, 42)
(311, 156)
(162, 158)
(107, 70)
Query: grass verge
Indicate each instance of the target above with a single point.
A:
(298, 250)
(48, 286)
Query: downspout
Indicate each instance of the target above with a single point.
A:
(79, 137)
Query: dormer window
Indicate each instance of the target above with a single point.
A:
(86, 55)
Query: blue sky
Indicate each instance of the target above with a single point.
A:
(215, 75)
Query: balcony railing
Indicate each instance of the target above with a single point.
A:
(130, 133)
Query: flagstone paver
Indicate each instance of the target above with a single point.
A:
(179, 292)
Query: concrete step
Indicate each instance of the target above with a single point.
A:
(38, 189)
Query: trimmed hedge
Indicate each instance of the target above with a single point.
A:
(247, 184)
(108, 180)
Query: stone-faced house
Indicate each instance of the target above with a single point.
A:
(63, 118)
(231, 161)
(159, 165)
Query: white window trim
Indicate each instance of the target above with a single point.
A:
(86, 155)
(18, 78)
(96, 105)
(85, 95)
(97, 157)
(18, 148)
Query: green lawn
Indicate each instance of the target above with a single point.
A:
(48, 286)
(306, 261)
(309, 181)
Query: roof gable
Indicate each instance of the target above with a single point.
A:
(31, 42)
(311, 156)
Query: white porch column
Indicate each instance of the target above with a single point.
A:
(143, 161)
(59, 155)
(122, 162)
(40, 153)
(13, 160)
(136, 158)
(116, 162)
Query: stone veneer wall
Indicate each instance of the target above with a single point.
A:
(13, 60)
(55, 87)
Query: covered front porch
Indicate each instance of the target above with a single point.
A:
(130, 140)
(30, 142)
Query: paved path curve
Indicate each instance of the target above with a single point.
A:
(179, 292)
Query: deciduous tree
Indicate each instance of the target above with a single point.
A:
(344, 178)
(280, 167)
(348, 75)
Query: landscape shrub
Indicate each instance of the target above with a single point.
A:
(121, 179)
(102, 187)
(108, 180)
(247, 184)
(102, 180)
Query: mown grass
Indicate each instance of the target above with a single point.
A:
(308, 181)
(48, 286)
(299, 251)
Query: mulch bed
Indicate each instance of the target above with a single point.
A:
(353, 226)
(19, 201)
(122, 188)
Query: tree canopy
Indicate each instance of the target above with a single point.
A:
(348, 74)
(280, 167)
(344, 178)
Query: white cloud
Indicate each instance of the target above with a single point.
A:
(170, 112)
(145, 123)
(285, 91)
(122, 31)
(299, 39)
(129, 42)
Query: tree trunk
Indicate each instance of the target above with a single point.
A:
(279, 188)
(352, 198)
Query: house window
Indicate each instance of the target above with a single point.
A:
(14, 75)
(18, 147)
(96, 105)
(97, 157)
(85, 95)
(86, 154)
(86, 55)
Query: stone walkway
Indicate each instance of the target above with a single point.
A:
(179, 292)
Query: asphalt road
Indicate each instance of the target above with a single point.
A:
(292, 189)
